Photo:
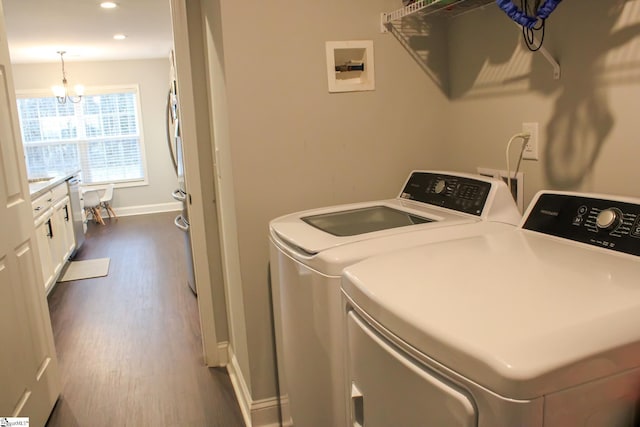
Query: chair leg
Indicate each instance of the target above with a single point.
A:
(110, 211)
(97, 215)
(104, 205)
(91, 211)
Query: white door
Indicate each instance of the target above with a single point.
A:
(29, 370)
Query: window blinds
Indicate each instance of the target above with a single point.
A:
(100, 135)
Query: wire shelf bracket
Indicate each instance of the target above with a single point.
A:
(550, 59)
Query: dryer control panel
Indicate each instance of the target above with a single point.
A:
(606, 223)
(459, 193)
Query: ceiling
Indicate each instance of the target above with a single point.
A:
(37, 29)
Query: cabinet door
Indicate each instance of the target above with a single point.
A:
(43, 227)
(56, 239)
(62, 242)
(67, 217)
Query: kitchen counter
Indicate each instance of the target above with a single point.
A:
(39, 186)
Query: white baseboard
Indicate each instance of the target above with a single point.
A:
(256, 413)
(240, 387)
(286, 413)
(264, 413)
(148, 209)
(223, 353)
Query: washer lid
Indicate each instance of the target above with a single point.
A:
(517, 312)
(359, 222)
(354, 222)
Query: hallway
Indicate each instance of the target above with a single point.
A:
(129, 343)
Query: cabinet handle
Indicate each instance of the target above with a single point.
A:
(180, 223)
(50, 233)
(179, 195)
(66, 213)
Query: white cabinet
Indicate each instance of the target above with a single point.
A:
(54, 232)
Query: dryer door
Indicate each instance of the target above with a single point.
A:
(390, 389)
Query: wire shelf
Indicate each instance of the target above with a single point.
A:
(448, 8)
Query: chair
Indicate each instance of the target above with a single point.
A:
(105, 200)
(92, 204)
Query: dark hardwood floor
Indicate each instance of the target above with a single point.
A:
(129, 343)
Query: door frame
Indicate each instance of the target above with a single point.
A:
(201, 205)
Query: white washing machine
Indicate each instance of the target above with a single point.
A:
(310, 249)
(539, 326)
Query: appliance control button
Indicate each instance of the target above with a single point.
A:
(582, 210)
(440, 186)
(635, 229)
(609, 219)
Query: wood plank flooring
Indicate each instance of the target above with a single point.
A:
(129, 343)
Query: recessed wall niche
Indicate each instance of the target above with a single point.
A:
(350, 66)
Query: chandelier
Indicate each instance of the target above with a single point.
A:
(62, 92)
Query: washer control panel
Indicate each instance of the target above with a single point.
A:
(459, 193)
(607, 223)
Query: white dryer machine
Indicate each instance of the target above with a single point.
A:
(308, 251)
(536, 327)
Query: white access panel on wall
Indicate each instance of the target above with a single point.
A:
(350, 66)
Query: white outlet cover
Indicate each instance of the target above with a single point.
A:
(531, 150)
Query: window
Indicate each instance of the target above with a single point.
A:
(100, 135)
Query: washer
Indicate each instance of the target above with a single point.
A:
(539, 326)
(308, 251)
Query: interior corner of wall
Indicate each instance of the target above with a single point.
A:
(256, 413)
(242, 392)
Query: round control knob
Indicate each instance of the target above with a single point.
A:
(608, 219)
(440, 186)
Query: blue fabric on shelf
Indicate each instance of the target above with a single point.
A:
(547, 8)
(515, 13)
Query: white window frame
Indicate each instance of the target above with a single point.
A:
(106, 90)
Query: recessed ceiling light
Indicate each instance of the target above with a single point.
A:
(108, 5)
(119, 37)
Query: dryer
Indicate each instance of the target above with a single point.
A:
(534, 327)
(308, 251)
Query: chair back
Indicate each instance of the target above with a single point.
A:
(91, 198)
(108, 193)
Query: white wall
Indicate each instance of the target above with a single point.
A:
(588, 119)
(294, 146)
(152, 76)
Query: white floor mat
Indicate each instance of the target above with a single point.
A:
(78, 270)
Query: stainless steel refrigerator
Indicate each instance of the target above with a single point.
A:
(180, 194)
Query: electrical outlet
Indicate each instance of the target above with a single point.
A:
(531, 149)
